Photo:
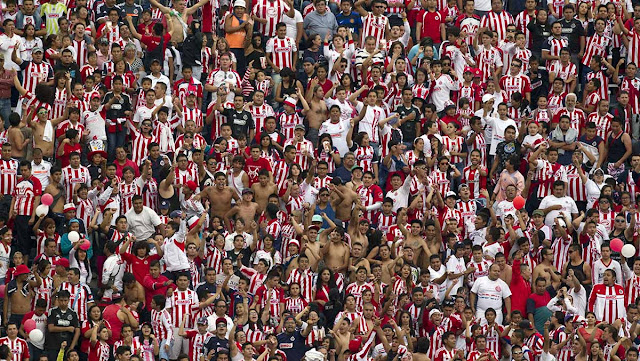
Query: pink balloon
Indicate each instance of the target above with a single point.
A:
(47, 199)
(518, 202)
(2, 291)
(616, 244)
(85, 245)
(29, 325)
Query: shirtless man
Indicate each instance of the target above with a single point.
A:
(16, 136)
(180, 17)
(415, 241)
(246, 209)
(312, 247)
(433, 238)
(546, 269)
(342, 199)
(388, 264)
(357, 260)
(263, 189)
(318, 111)
(358, 228)
(220, 195)
(505, 269)
(57, 190)
(336, 252)
(14, 298)
(39, 121)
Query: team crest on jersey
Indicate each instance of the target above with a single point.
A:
(437, 17)
(498, 289)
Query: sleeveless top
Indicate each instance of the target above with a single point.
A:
(577, 271)
(236, 40)
(236, 182)
(616, 148)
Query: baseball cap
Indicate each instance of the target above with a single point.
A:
(468, 69)
(192, 185)
(451, 194)
(69, 207)
(62, 262)
(538, 212)
(175, 214)
(487, 97)
(164, 204)
(239, 3)
(309, 60)
(290, 102)
(463, 185)
(37, 49)
(526, 325)
(21, 270)
(247, 191)
(477, 73)
(221, 320)
(156, 61)
(202, 321)
(300, 126)
(434, 311)
(317, 218)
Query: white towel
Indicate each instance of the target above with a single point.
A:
(48, 132)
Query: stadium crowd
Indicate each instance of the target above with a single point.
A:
(286, 180)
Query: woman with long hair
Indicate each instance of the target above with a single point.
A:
(328, 152)
(324, 283)
(28, 42)
(95, 318)
(590, 333)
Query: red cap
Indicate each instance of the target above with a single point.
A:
(221, 320)
(468, 69)
(192, 185)
(477, 73)
(21, 270)
(62, 262)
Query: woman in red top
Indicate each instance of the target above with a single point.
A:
(99, 349)
(590, 333)
(70, 144)
(325, 282)
(95, 318)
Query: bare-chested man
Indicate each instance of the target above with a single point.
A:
(246, 209)
(336, 252)
(263, 189)
(546, 269)
(415, 240)
(343, 199)
(57, 190)
(39, 123)
(357, 260)
(18, 293)
(220, 195)
(318, 111)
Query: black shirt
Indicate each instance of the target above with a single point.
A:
(118, 108)
(408, 128)
(573, 30)
(215, 343)
(61, 319)
(241, 121)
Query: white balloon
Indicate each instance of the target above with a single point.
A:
(74, 236)
(628, 250)
(42, 210)
(35, 335)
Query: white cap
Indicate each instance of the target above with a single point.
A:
(240, 3)
(434, 311)
(487, 97)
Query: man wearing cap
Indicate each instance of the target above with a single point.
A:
(196, 337)
(19, 296)
(33, 72)
(219, 340)
(236, 26)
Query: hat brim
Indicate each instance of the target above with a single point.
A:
(101, 152)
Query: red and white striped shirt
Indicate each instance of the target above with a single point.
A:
(80, 296)
(288, 123)
(631, 289)
(603, 91)
(272, 11)
(560, 247)
(596, 45)
(140, 145)
(72, 177)
(182, 303)
(373, 26)
(18, 347)
(603, 123)
(43, 292)
(365, 158)
(127, 192)
(356, 290)
(488, 60)
(564, 72)
(135, 346)
(295, 305)
(302, 158)
(576, 188)
(196, 342)
(281, 51)
(632, 86)
(441, 180)
(81, 50)
(162, 324)
(497, 22)
(24, 194)
(194, 114)
(607, 302)
(305, 279)
(577, 117)
(454, 145)
(34, 74)
(511, 84)
(260, 113)
(522, 20)
(8, 176)
(370, 196)
(474, 180)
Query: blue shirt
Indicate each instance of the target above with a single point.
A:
(292, 344)
(353, 21)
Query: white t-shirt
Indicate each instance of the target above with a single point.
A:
(482, 5)
(490, 293)
(498, 127)
(455, 265)
(593, 192)
(338, 133)
(568, 207)
(143, 225)
(505, 207)
(95, 124)
(292, 29)
(441, 91)
(42, 172)
(369, 123)
(442, 288)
